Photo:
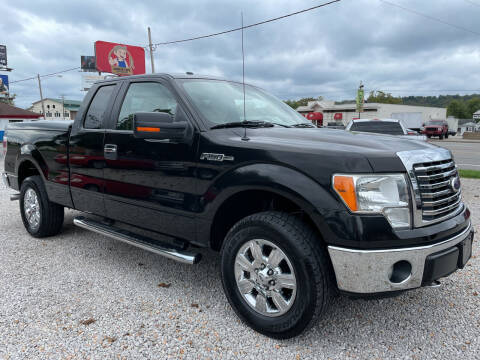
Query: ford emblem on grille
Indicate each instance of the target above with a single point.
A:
(455, 184)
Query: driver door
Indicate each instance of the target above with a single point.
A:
(149, 183)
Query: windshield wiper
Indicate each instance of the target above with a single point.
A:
(249, 123)
(303, 125)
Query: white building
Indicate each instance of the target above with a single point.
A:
(55, 107)
(411, 116)
(315, 106)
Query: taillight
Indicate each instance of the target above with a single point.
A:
(4, 145)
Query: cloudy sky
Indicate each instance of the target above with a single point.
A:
(325, 52)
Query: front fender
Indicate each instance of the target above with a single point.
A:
(317, 201)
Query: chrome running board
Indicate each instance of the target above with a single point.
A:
(137, 240)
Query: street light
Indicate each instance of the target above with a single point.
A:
(41, 95)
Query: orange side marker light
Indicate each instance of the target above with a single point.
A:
(345, 187)
(148, 129)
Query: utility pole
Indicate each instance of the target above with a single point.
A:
(151, 49)
(63, 106)
(41, 96)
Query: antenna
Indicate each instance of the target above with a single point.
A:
(245, 137)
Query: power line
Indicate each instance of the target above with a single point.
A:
(201, 37)
(430, 17)
(247, 26)
(46, 75)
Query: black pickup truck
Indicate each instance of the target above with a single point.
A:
(297, 213)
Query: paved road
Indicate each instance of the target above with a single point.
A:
(467, 154)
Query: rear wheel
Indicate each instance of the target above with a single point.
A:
(275, 274)
(40, 217)
(441, 137)
(446, 136)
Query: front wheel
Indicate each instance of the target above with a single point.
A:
(40, 217)
(275, 273)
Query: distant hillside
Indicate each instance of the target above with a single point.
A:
(435, 101)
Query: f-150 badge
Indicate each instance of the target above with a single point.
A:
(216, 157)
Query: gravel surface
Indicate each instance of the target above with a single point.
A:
(80, 295)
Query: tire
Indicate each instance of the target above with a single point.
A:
(446, 136)
(429, 136)
(50, 215)
(441, 137)
(314, 284)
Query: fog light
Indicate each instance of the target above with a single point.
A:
(399, 218)
(401, 271)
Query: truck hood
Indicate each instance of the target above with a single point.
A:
(343, 150)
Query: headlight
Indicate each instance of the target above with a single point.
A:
(377, 194)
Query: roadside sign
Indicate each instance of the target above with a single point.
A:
(89, 80)
(88, 63)
(119, 59)
(4, 84)
(360, 97)
(3, 55)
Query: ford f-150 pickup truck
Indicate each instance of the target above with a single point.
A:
(297, 213)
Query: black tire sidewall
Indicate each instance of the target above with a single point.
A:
(301, 312)
(35, 183)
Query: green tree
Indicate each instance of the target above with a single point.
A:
(8, 100)
(458, 109)
(383, 98)
(301, 102)
(472, 106)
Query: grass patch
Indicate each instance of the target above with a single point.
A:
(471, 174)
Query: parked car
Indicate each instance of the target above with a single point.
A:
(335, 125)
(383, 126)
(297, 213)
(436, 128)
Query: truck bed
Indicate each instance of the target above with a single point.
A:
(45, 143)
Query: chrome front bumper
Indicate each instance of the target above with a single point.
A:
(370, 271)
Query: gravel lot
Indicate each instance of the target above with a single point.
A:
(80, 295)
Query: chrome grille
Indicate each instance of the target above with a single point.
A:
(435, 183)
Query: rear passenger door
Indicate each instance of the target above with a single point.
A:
(150, 183)
(86, 152)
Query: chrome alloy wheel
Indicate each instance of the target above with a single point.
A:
(265, 277)
(31, 208)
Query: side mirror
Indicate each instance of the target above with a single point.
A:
(158, 126)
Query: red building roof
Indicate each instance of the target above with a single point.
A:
(12, 112)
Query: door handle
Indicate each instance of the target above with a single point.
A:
(110, 149)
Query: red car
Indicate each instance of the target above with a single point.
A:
(436, 128)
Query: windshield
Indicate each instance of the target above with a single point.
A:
(435, 123)
(381, 127)
(221, 102)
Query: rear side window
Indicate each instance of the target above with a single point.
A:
(380, 127)
(145, 97)
(95, 118)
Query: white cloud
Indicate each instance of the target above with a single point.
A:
(323, 52)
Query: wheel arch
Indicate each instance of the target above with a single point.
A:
(261, 187)
(30, 162)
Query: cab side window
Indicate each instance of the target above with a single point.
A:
(145, 97)
(95, 118)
